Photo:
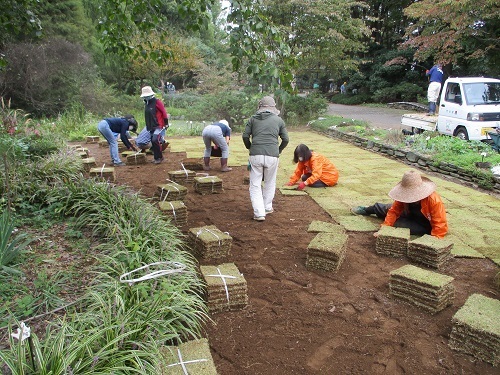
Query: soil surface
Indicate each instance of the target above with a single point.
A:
(304, 322)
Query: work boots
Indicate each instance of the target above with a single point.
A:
(206, 164)
(223, 165)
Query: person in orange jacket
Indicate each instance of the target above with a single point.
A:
(416, 206)
(312, 169)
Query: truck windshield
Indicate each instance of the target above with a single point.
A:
(482, 93)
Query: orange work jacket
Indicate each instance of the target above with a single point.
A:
(432, 208)
(320, 168)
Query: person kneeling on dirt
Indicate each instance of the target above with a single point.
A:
(219, 133)
(312, 169)
(416, 206)
(143, 140)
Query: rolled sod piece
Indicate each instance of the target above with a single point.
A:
(326, 251)
(392, 241)
(476, 329)
(136, 159)
(106, 173)
(103, 143)
(92, 139)
(192, 356)
(171, 191)
(124, 154)
(422, 288)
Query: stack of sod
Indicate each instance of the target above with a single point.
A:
(193, 164)
(476, 329)
(430, 251)
(226, 288)
(176, 211)
(105, 173)
(184, 177)
(191, 357)
(423, 288)
(208, 242)
(74, 147)
(82, 152)
(246, 180)
(326, 251)
(122, 147)
(317, 226)
(136, 159)
(92, 139)
(88, 164)
(124, 154)
(208, 185)
(103, 143)
(392, 241)
(171, 191)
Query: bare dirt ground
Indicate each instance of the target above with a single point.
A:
(379, 117)
(303, 322)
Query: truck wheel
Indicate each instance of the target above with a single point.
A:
(462, 134)
(417, 130)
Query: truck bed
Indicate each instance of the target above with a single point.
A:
(419, 121)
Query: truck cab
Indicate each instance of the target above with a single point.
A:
(469, 107)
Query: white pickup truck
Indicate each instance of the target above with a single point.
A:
(469, 108)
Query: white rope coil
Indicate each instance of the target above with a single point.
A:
(175, 267)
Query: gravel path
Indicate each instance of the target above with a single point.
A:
(380, 117)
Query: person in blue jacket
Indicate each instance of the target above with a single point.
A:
(435, 75)
(119, 125)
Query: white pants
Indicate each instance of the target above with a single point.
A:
(262, 193)
(433, 92)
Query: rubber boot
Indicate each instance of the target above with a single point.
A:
(206, 162)
(223, 165)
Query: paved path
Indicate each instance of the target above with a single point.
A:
(380, 117)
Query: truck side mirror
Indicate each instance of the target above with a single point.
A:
(458, 99)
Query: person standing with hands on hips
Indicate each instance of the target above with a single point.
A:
(261, 137)
(219, 133)
(435, 75)
(313, 169)
(120, 125)
(156, 118)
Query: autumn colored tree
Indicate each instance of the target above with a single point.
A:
(464, 33)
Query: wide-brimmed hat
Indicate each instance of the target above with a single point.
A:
(412, 188)
(147, 91)
(267, 104)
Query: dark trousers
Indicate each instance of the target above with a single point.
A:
(318, 183)
(155, 145)
(413, 219)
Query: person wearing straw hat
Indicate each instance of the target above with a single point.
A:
(219, 133)
(156, 118)
(108, 127)
(313, 169)
(261, 137)
(416, 206)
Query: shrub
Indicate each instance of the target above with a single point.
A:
(402, 92)
(351, 99)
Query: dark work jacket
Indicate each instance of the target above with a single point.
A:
(119, 125)
(150, 114)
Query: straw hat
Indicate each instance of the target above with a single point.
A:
(412, 188)
(147, 91)
(267, 104)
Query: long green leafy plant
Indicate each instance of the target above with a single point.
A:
(11, 246)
